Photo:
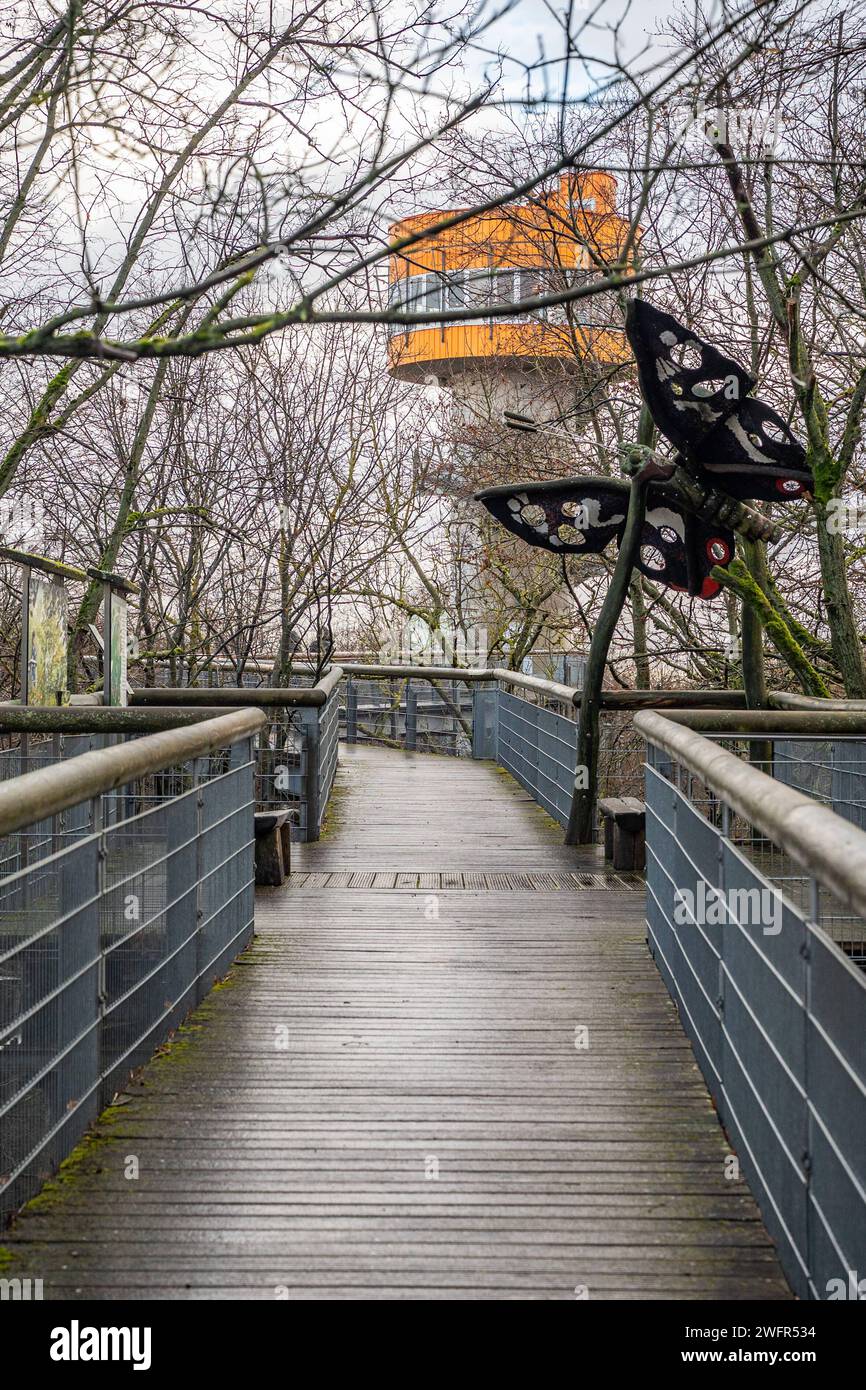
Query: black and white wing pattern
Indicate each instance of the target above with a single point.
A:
(679, 550)
(570, 515)
(689, 386)
(573, 516)
(753, 455)
(700, 400)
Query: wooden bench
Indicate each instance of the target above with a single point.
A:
(624, 831)
(273, 831)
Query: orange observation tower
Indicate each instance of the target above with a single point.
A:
(541, 246)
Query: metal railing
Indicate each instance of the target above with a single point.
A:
(425, 715)
(520, 721)
(535, 742)
(118, 927)
(525, 722)
(296, 751)
(748, 882)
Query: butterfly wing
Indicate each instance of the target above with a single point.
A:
(689, 386)
(699, 399)
(679, 550)
(754, 456)
(574, 516)
(570, 516)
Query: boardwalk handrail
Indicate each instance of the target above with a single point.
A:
(470, 674)
(313, 696)
(824, 844)
(756, 918)
(37, 795)
(299, 743)
(786, 699)
(610, 699)
(126, 889)
(103, 719)
(317, 695)
(537, 749)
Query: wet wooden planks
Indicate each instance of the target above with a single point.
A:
(419, 811)
(395, 1096)
(474, 881)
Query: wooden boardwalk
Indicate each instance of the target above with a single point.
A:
(395, 1095)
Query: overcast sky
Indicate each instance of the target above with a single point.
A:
(531, 23)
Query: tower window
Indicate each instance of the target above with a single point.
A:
(455, 291)
(433, 297)
(503, 287)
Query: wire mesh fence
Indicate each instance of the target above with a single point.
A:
(122, 922)
(213, 675)
(296, 762)
(621, 755)
(762, 961)
(537, 744)
(830, 771)
(425, 715)
(29, 754)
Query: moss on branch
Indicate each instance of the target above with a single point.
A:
(738, 579)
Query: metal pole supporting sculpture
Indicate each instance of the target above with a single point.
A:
(677, 519)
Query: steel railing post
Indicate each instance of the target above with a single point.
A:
(411, 715)
(393, 707)
(485, 723)
(198, 770)
(311, 731)
(351, 711)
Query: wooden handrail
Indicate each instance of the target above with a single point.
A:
(36, 795)
(765, 723)
(610, 699)
(469, 675)
(826, 846)
(785, 699)
(262, 695)
(367, 671)
(102, 719)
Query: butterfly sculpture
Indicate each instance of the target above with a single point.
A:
(699, 399)
(727, 441)
(581, 516)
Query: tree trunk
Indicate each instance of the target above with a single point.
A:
(844, 637)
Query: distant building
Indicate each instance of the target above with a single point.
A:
(569, 668)
(533, 364)
(523, 363)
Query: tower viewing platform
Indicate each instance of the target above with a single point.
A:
(500, 258)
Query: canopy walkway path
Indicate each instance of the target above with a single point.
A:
(447, 1067)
